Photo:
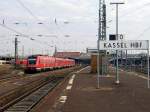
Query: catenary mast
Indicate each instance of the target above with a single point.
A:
(101, 35)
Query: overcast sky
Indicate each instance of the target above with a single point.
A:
(81, 28)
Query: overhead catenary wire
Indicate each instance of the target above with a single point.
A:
(37, 19)
(142, 33)
(146, 29)
(32, 14)
(23, 35)
(58, 27)
(135, 10)
(28, 10)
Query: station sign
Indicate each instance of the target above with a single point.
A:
(124, 45)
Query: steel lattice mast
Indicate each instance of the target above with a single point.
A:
(101, 35)
(102, 20)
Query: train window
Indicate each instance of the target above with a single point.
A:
(32, 61)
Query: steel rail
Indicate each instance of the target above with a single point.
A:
(22, 91)
(30, 101)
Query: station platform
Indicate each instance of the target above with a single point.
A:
(82, 95)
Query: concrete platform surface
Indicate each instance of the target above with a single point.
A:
(131, 95)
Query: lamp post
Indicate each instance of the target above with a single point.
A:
(117, 4)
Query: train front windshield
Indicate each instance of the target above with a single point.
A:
(32, 60)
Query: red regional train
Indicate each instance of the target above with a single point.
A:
(41, 63)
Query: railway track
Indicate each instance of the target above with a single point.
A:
(9, 78)
(27, 86)
(30, 101)
(14, 95)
